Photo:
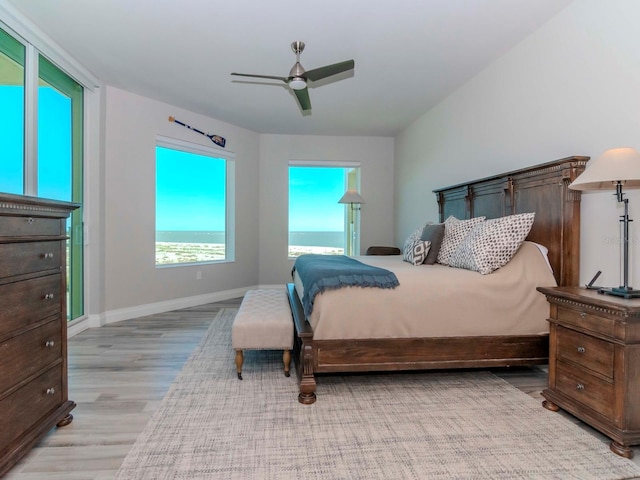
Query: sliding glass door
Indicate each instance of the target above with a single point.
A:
(41, 133)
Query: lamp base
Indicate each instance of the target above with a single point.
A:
(624, 292)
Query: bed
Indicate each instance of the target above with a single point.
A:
(443, 331)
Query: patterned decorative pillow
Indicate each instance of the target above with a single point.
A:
(491, 244)
(455, 230)
(417, 252)
(434, 234)
(411, 239)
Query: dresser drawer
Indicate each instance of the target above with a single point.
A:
(30, 257)
(30, 226)
(26, 406)
(28, 302)
(24, 355)
(586, 351)
(587, 389)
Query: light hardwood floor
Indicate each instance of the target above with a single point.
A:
(119, 373)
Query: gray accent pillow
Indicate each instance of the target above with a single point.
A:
(409, 243)
(417, 252)
(434, 234)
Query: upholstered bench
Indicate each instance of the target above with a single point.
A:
(263, 322)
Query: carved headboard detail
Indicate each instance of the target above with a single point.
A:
(543, 189)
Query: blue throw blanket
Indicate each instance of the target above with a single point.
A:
(323, 272)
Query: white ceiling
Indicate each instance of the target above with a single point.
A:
(409, 54)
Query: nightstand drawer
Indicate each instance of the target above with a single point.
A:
(587, 320)
(586, 351)
(587, 389)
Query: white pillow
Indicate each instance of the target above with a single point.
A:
(491, 244)
(455, 230)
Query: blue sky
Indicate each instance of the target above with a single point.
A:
(313, 202)
(54, 139)
(198, 190)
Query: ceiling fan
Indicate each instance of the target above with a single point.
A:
(298, 76)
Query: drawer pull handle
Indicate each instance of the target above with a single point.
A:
(49, 343)
(48, 296)
(51, 391)
(583, 315)
(581, 349)
(580, 387)
(47, 255)
(30, 220)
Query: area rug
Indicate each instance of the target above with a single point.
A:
(447, 425)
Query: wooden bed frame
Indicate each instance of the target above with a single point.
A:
(542, 189)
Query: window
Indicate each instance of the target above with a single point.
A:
(42, 137)
(192, 207)
(12, 55)
(317, 222)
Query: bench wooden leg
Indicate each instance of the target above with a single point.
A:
(239, 362)
(286, 359)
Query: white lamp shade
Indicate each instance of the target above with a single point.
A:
(351, 196)
(613, 166)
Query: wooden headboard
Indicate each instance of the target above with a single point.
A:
(543, 189)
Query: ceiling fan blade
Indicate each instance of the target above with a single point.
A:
(284, 79)
(329, 70)
(303, 98)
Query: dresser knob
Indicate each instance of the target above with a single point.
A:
(583, 315)
(49, 343)
(47, 255)
(48, 296)
(580, 387)
(581, 349)
(30, 220)
(51, 391)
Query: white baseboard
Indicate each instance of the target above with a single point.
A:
(113, 316)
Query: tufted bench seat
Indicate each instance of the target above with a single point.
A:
(263, 322)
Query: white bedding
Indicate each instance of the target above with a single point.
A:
(439, 301)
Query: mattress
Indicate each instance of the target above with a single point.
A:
(439, 301)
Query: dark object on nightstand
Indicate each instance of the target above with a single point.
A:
(383, 251)
(594, 362)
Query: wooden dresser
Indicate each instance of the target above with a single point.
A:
(594, 362)
(33, 323)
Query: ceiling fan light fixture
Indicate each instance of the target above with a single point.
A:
(298, 83)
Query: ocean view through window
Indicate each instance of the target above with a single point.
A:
(191, 204)
(317, 222)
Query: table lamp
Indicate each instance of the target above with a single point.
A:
(614, 169)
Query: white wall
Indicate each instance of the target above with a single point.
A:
(571, 88)
(376, 187)
(131, 278)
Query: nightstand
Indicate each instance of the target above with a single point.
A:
(594, 362)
